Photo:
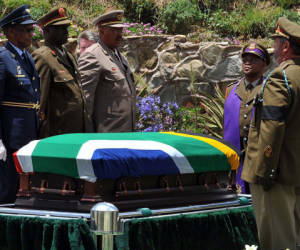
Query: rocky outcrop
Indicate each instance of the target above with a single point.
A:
(169, 64)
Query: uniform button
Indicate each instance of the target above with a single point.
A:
(65, 79)
(246, 105)
(245, 139)
(245, 116)
(33, 78)
(35, 90)
(245, 127)
(21, 83)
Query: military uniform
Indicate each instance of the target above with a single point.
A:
(108, 85)
(62, 102)
(272, 156)
(238, 110)
(19, 103)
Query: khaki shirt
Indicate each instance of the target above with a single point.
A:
(108, 86)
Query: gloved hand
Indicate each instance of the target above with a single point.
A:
(2, 151)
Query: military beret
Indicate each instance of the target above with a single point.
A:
(19, 15)
(111, 19)
(258, 50)
(287, 29)
(56, 16)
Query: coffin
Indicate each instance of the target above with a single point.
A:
(131, 170)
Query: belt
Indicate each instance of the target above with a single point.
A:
(21, 105)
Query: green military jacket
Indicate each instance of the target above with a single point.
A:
(274, 138)
(62, 103)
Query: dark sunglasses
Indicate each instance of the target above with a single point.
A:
(23, 29)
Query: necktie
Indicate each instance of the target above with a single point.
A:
(27, 61)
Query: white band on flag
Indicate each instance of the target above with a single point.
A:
(84, 163)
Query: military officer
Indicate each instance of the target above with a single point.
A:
(106, 78)
(272, 157)
(62, 103)
(239, 102)
(19, 96)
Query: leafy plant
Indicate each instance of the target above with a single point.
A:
(144, 11)
(286, 3)
(178, 16)
(212, 119)
(139, 29)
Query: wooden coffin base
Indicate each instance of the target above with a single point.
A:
(55, 192)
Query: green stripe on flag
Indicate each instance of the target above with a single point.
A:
(63, 150)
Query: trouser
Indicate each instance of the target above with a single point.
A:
(9, 180)
(277, 214)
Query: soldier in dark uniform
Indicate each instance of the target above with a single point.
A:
(62, 103)
(273, 154)
(19, 96)
(239, 102)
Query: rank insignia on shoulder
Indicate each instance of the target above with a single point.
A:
(268, 151)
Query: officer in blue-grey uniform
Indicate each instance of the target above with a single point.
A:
(19, 96)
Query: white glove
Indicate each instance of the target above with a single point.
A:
(2, 151)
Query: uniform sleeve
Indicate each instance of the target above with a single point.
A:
(272, 126)
(89, 68)
(45, 74)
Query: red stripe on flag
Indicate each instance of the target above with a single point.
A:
(17, 163)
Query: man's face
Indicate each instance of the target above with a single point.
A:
(83, 44)
(58, 34)
(112, 37)
(278, 46)
(252, 65)
(21, 35)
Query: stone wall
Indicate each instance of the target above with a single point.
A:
(168, 63)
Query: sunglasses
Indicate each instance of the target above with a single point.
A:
(23, 29)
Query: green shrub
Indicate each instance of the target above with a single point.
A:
(178, 16)
(286, 3)
(39, 8)
(144, 11)
(224, 23)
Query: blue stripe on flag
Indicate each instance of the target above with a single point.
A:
(114, 163)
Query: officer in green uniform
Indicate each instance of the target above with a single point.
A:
(62, 103)
(272, 158)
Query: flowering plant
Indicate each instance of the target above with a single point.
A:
(152, 115)
(37, 32)
(139, 29)
(2, 36)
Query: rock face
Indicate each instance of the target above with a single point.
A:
(170, 63)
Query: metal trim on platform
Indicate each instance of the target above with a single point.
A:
(8, 210)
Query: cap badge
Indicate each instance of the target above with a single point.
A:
(62, 12)
(27, 10)
(119, 17)
(252, 46)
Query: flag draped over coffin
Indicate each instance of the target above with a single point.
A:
(115, 155)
